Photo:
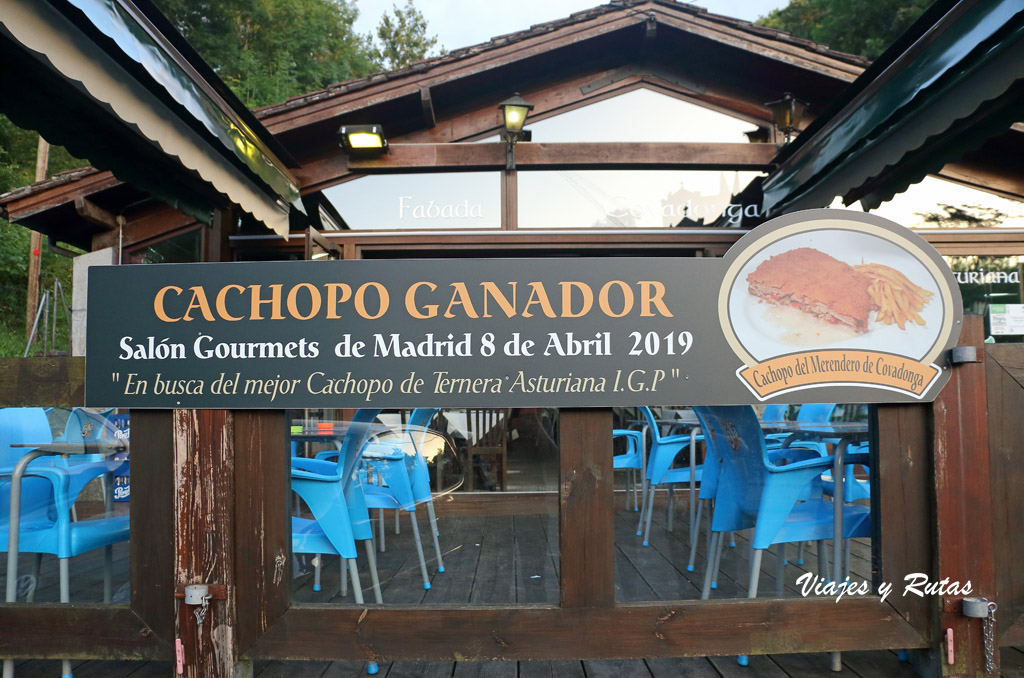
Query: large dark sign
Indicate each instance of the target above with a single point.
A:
(824, 305)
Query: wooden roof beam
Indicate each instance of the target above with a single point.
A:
(96, 215)
(427, 106)
(406, 158)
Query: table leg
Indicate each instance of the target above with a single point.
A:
(838, 476)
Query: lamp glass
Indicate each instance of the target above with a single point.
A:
(514, 111)
(365, 140)
(515, 118)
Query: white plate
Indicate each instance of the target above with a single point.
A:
(767, 330)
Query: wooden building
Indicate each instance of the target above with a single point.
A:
(651, 137)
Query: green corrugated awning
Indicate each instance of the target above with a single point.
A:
(154, 120)
(957, 85)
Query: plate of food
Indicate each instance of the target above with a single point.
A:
(835, 289)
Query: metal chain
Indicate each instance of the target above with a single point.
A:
(989, 626)
(201, 611)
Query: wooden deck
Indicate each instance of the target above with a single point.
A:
(514, 560)
(855, 665)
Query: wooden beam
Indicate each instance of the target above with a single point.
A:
(97, 631)
(262, 504)
(406, 158)
(901, 488)
(95, 214)
(657, 629)
(42, 382)
(204, 538)
(427, 106)
(151, 547)
(586, 508)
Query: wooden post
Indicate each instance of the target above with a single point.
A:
(204, 540)
(963, 504)
(586, 508)
(509, 200)
(35, 261)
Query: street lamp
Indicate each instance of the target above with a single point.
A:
(786, 114)
(362, 139)
(514, 111)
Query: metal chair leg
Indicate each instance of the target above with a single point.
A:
(65, 597)
(780, 570)
(695, 539)
(108, 572)
(371, 559)
(718, 561)
(357, 589)
(432, 517)
(650, 513)
(712, 550)
(669, 519)
(419, 549)
(37, 562)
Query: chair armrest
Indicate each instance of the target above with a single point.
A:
(327, 455)
(820, 462)
(299, 474)
(785, 456)
(316, 466)
(382, 452)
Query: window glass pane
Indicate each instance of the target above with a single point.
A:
(653, 556)
(639, 116)
(98, 491)
(184, 248)
(491, 478)
(991, 287)
(935, 203)
(457, 200)
(627, 198)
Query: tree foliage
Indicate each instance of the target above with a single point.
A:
(963, 216)
(17, 168)
(864, 27)
(265, 50)
(269, 50)
(402, 38)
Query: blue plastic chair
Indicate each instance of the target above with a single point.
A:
(49, 489)
(340, 514)
(664, 450)
(631, 459)
(755, 492)
(405, 482)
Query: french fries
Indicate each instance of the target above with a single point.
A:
(899, 301)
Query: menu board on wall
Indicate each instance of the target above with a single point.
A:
(824, 305)
(1006, 318)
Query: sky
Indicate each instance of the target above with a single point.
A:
(461, 23)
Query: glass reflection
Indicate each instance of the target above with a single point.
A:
(991, 287)
(665, 551)
(458, 200)
(630, 198)
(64, 504)
(426, 519)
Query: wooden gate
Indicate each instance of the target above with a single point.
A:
(1005, 377)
